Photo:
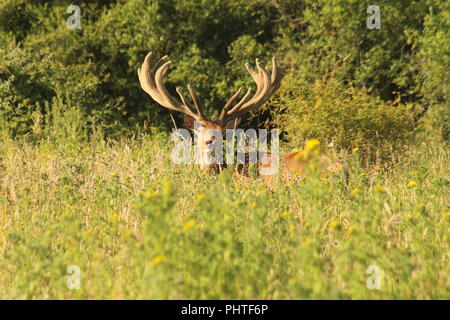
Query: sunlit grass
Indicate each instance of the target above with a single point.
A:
(140, 227)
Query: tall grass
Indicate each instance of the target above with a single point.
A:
(139, 226)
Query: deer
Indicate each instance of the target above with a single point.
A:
(151, 80)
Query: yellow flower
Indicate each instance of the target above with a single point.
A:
(201, 196)
(286, 214)
(378, 189)
(114, 218)
(352, 229)
(355, 191)
(66, 186)
(150, 193)
(447, 214)
(166, 186)
(312, 144)
(334, 224)
(87, 149)
(325, 180)
(188, 225)
(362, 174)
(158, 259)
(355, 150)
(292, 228)
(411, 184)
(253, 204)
(114, 174)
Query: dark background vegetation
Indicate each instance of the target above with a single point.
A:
(345, 83)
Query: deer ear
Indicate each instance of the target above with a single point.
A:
(232, 124)
(189, 122)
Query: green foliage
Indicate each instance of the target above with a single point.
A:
(346, 117)
(434, 57)
(95, 68)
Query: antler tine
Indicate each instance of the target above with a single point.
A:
(266, 86)
(151, 80)
(197, 103)
(230, 101)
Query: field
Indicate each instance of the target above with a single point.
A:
(138, 226)
(93, 207)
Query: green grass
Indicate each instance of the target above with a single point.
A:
(139, 226)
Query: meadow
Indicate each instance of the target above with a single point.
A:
(140, 227)
(92, 207)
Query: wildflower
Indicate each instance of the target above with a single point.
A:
(355, 150)
(158, 259)
(66, 186)
(114, 218)
(363, 174)
(351, 229)
(355, 192)
(87, 149)
(291, 228)
(379, 189)
(188, 225)
(114, 174)
(201, 196)
(166, 187)
(411, 184)
(325, 180)
(253, 204)
(150, 193)
(334, 224)
(447, 214)
(312, 144)
(286, 214)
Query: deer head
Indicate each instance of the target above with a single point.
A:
(151, 80)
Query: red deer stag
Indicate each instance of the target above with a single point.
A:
(151, 80)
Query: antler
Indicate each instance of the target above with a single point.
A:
(266, 86)
(151, 80)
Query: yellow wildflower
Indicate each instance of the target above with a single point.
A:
(355, 150)
(411, 184)
(201, 196)
(66, 186)
(325, 180)
(87, 149)
(292, 228)
(114, 218)
(355, 191)
(150, 193)
(378, 189)
(188, 225)
(334, 224)
(114, 174)
(253, 204)
(158, 259)
(312, 144)
(166, 186)
(351, 229)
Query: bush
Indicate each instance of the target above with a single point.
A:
(347, 117)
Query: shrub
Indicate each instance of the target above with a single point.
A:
(347, 117)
